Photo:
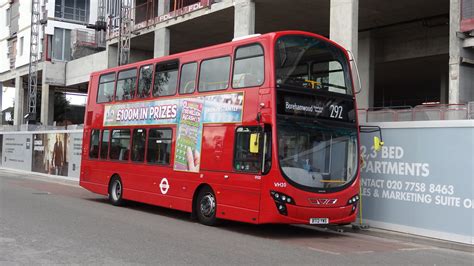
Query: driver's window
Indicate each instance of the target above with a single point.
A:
(248, 149)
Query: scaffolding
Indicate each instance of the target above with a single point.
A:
(33, 66)
(125, 32)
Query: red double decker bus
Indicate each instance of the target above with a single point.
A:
(260, 130)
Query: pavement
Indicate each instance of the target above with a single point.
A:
(54, 221)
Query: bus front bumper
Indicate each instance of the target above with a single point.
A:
(314, 215)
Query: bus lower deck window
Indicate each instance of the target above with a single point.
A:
(159, 146)
(94, 144)
(120, 144)
(138, 145)
(246, 157)
(104, 146)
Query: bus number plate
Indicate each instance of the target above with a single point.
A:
(318, 220)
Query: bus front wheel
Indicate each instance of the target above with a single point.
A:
(116, 191)
(206, 206)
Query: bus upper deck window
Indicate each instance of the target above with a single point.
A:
(166, 79)
(106, 88)
(187, 83)
(144, 81)
(248, 67)
(214, 74)
(126, 85)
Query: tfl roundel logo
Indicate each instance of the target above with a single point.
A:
(322, 201)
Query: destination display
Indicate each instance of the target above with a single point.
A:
(316, 106)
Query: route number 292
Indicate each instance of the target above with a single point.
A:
(336, 111)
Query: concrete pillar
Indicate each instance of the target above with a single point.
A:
(344, 24)
(443, 93)
(19, 101)
(366, 64)
(51, 107)
(163, 7)
(1, 103)
(454, 51)
(244, 18)
(112, 53)
(1, 98)
(162, 42)
(45, 99)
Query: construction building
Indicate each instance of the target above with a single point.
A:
(408, 52)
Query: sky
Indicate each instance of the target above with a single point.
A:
(9, 96)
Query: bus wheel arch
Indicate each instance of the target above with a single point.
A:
(205, 205)
(115, 190)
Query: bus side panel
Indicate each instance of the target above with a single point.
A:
(178, 203)
(237, 214)
(217, 147)
(94, 187)
(232, 189)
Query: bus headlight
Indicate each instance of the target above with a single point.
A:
(353, 200)
(281, 200)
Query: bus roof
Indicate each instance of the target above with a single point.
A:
(235, 41)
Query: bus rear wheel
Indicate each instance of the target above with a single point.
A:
(206, 206)
(116, 191)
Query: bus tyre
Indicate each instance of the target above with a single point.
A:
(206, 206)
(116, 191)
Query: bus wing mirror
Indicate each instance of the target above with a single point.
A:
(352, 59)
(254, 137)
(377, 144)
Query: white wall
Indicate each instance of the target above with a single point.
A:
(24, 58)
(93, 4)
(24, 30)
(4, 62)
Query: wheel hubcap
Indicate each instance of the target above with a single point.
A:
(208, 205)
(116, 190)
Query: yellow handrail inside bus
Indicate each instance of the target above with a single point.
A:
(313, 83)
(332, 181)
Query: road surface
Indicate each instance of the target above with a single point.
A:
(45, 221)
